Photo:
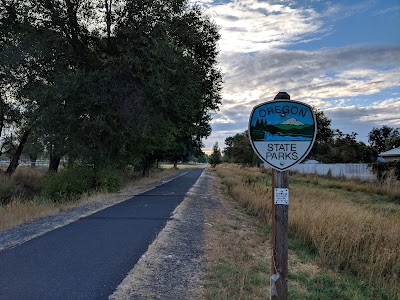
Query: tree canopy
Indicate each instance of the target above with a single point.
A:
(215, 157)
(384, 138)
(330, 146)
(111, 82)
(238, 150)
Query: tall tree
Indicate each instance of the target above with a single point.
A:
(239, 150)
(215, 157)
(380, 138)
(118, 92)
(325, 136)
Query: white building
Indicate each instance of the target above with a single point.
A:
(390, 155)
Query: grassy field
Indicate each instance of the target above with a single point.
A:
(344, 235)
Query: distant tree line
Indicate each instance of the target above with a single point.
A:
(106, 82)
(331, 145)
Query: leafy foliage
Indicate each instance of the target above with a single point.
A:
(7, 189)
(70, 183)
(332, 146)
(238, 150)
(345, 149)
(384, 138)
(109, 83)
(384, 169)
(215, 157)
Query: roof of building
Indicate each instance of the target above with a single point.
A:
(392, 152)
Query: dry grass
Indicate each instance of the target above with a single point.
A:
(390, 188)
(348, 236)
(237, 255)
(20, 210)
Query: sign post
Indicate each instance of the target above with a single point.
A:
(282, 133)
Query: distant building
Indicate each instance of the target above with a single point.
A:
(311, 161)
(390, 155)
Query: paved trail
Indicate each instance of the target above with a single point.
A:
(89, 258)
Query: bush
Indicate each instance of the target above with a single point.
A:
(7, 189)
(73, 182)
(109, 180)
(28, 182)
(383, 169)
(68, 184)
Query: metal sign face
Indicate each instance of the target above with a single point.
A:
(282, 132)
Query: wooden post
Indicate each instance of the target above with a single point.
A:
(280, 238)
(280, 221)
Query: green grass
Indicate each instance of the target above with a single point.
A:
(230, 281)
(327, 285)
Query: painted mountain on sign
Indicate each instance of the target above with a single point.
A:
(292, 121)
(290, 128)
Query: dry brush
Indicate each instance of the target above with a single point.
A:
(347, 235)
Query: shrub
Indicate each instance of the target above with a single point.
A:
(28, 182)
(7, 189)
(109, 180)
(383, 169)
(68, 184)
(73, 182)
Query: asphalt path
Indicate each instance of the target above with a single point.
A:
(88, 259)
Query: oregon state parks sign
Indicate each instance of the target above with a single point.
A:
(282, 132)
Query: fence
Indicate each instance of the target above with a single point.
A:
(360, 171)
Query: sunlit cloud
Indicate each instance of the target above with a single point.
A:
(357, 85)
(252, 26)
(328, 73)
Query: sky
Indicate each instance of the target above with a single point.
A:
(343, 57)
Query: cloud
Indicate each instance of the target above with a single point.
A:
(312, 75)
(384, 112)
(361, 119)
(390, 10)
(330, 79)
(343, 81)
(337, 11)
(252, 26)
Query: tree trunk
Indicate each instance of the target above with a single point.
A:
(54, 163)
(148, 162)
(33, 159)
(146, 170)
(2, 113)
(15, 160)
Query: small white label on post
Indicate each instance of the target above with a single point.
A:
(281, 196)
